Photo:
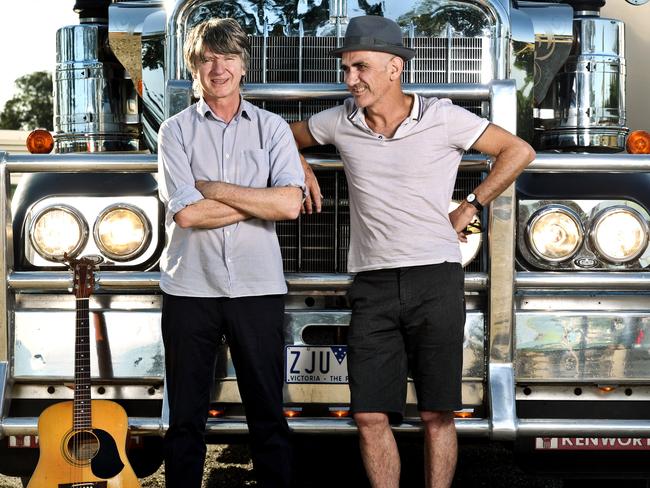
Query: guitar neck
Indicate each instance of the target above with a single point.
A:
(82, 418)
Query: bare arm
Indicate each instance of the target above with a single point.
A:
(208, 214)
(303, 137)
(275, 203)
(511, 154)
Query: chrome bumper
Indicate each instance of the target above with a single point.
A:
(15, 426)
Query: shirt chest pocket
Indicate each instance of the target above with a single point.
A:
(254, 168)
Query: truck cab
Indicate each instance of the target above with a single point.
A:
(557, 332)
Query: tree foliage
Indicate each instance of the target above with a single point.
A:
(31, 107)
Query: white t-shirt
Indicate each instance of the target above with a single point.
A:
(400, 187)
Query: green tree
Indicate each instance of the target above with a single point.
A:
(31, 107)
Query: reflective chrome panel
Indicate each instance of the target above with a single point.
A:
(148, 390)
(586, 257)
(91, 208)
(588, 96)
(456, 42)
(6, 259)
(590, 163)
(125, 30)
(591, 346)
(522, 63)
(153, 77)
(553, 25)
(124, 344)
(587, 280)
(598, 298)
(95, 105)
(4, 389)
(502, 241)
(502, 401)
(585, 392)
(178, 96)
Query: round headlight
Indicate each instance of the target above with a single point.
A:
(554, 233)
(619, 234)
(471, 248)
(122, 232)
(58, 230)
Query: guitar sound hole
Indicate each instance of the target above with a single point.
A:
(82, 446)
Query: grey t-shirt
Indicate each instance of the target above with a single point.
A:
(256, 149)
(400, 188)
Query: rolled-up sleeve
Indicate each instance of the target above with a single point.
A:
(176, 184)
(285, 166)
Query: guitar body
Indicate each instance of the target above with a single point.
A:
(95, 457)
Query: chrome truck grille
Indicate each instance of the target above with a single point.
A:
(319, 243)
(306, 59)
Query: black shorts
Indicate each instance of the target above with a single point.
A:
(407, 320)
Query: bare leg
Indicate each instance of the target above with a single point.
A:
(378, 450)
(440, 448)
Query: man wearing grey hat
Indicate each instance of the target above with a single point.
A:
(401, 154)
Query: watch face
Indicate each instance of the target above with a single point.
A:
(637, 2)
(471, 197)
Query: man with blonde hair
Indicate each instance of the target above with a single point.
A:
(227, 171)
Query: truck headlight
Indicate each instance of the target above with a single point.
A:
(58, 230)
(471, 248)
(122, 232)
(554, 233)
(619, 234)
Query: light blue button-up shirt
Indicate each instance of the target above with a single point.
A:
(256, 149)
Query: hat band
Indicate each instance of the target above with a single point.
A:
(368, 41)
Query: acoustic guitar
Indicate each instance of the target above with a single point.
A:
(82, 442)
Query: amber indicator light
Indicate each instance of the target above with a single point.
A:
(40, 141)
(638, 142)
(463, 415)
(339, 413)
(215, 412)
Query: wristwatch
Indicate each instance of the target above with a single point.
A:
(472, 200)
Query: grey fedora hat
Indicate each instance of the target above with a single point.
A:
(374, 33)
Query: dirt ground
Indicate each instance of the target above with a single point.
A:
(336, 462)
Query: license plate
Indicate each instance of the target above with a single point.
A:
(592, 443)
(316, 364)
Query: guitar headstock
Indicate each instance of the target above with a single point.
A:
(83, 270)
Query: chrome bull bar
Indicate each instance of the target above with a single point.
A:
(503, 422)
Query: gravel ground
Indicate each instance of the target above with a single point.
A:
(336, 462)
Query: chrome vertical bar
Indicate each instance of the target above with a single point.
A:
(448, 63)
(412, 46)
(164, 413)
(7, 260)
(339, 36)
(265, 42)
(4, 391)
(501, 278)
(336, 221)
(301, 38)
(299, 256)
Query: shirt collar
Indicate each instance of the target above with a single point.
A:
(357, 117)
(416, 110)
(245, 109)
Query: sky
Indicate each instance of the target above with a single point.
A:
(28, 38)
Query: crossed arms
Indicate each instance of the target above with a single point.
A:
(225, 204)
